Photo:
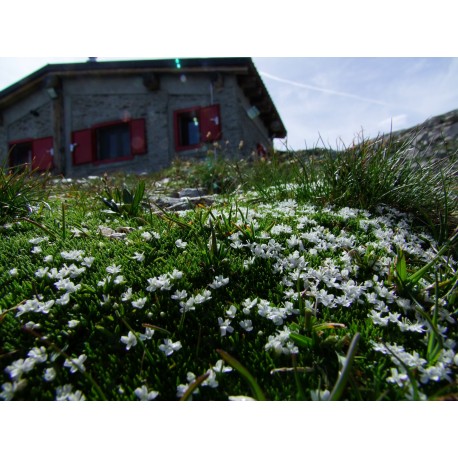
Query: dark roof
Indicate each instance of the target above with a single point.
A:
(247, 76)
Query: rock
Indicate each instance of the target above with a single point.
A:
(118, 233)
(436, 137)
(191, 192)
(181, 203)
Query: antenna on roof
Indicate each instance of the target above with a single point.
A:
(92, 59)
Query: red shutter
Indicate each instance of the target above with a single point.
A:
(137, 136)
(82, 147)
(210, 123)
(42, 153)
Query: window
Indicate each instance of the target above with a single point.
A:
(38, 153)
(20, 154)
(188, 128)
(109, 142)
(195, 126)
(112, 142)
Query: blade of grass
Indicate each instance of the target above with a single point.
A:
(243, 371)
(341, 382)
(199, 380)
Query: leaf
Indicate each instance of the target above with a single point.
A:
(320, 327)
(346, 367)
(126, 196)
(255, 388)
(401, 267)
(301, 340)
(138, 196)
(156, 328)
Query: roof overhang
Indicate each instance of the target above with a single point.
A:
(248, 78)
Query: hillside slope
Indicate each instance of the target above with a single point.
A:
(437, 135)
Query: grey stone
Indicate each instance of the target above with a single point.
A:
(191, 192)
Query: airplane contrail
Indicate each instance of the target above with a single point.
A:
(321, 89)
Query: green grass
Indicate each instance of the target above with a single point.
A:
(294, 286)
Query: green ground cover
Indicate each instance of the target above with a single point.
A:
(332, 278)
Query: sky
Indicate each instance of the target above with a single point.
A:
(330, 101)
(336, 71)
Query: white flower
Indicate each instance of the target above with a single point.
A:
(399, 378)
(201, 298)
(231, 312)
(146, 236)
(76, 232)
(74, 271)
(38, 240)
(19, 367)
(210, 380)
(127, 296)
(64, 393)
(45, 307)
(281, 228)
(218, 282)
(76, 364)
(318, 395)
(73, 323)
(181, 389)
(9, 389)
(139, 303)
(143, 394)
(88, 261)
(30, 305)
(36, 250)
(179, 295)
(75, 255)
(168, 347)
(248, 304)
(140, 257)
(175, 274)
(119, 280)
(187, 306)
(64, 299)
(41, 272)
(32, 325)
(49, 374)
(106, 300)
(247, 325)
(38, 354)
(13, 272)
(221, 368)
(113, 269)
(241, 398)
(67, 285)
(162, 282)
(224, 326)
(180, 244)
(130, 340)
(149, 332)
(378, 319)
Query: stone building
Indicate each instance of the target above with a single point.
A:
(136, 116)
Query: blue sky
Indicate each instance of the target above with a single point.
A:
(331, 101)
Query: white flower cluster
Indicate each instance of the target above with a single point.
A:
(403, 360)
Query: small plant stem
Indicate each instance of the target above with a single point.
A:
(345, 372)
(64, 224)
(199, 380)
(128, 326)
